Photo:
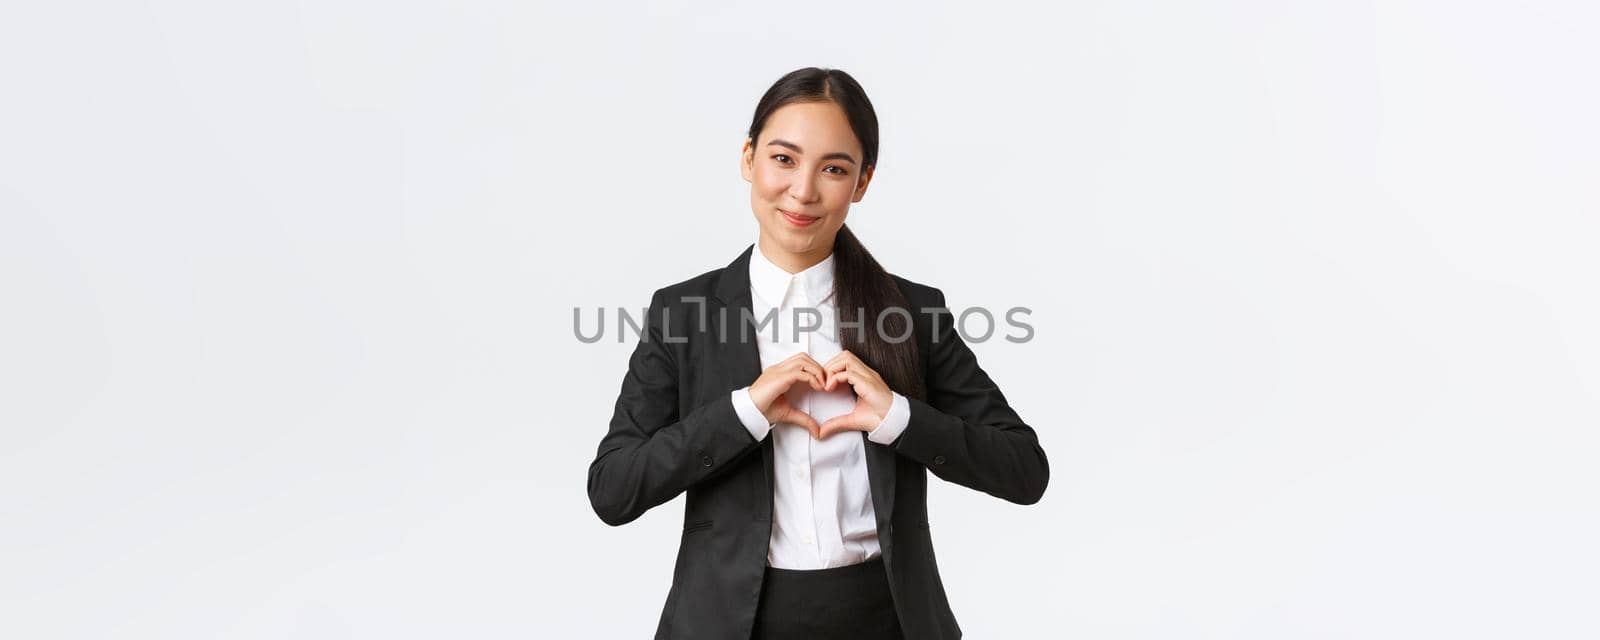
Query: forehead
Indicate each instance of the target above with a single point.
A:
(818, 127)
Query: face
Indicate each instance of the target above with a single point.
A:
(804, 171)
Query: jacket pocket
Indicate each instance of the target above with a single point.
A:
(696, 526)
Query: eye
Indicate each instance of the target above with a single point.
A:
(784, 158)
(841, 170)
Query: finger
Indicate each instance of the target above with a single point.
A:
(842, 356)
(793, 377)
(775, 382)
(789, 414)
(792, 370)
(835, 364)
(866, 374)
(775, 412)
(836, 424)
(812, 379)
(844, 362)
(797, 362)
(804, 358)
(811, 373)
(804, 361)
(827, 428)
(851, 377)
(805, 420)
(836, 377)
(817, 369)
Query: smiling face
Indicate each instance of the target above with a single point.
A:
(804, 170)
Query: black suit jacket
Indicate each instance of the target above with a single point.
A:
(675, 431)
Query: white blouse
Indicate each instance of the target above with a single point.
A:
(822, 513)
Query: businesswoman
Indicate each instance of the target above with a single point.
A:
(799, 397)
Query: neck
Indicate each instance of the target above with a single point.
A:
(790, 261)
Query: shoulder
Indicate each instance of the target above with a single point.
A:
(688, 290)
(917, 294)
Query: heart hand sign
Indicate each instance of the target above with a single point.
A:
(873, 396)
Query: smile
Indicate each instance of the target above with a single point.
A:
(798, 220)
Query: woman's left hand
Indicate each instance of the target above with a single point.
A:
(873, 396)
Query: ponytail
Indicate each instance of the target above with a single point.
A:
(871, 304)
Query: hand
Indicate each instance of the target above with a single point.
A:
(769, 392)
(873, 396)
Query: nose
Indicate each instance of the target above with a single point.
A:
(804, 188)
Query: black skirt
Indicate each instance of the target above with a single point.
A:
(849, 602)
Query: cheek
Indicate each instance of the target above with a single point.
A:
(842, 188)
(840, 192)
(768, 183)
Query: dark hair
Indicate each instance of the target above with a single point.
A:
(862, 288)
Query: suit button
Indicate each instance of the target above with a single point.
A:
(938, 459)
(705, 461)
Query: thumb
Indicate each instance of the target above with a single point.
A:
(834, 425)
(803, 419)
(783, 411)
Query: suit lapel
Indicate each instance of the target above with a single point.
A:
(736, 352)
(880, 474)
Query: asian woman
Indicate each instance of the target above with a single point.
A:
(799, 397)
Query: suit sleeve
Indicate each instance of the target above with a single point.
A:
(965, 432)
(651, 453)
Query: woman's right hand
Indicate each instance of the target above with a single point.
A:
(770, 391)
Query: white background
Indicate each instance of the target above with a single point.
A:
(286, 348)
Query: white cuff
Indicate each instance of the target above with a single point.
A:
(753, 420)
(893, 423)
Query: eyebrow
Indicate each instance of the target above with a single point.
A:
(840, 155)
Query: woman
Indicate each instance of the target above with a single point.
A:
(802, 439)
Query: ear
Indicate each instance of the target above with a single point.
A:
(861, 186)
(747, 158)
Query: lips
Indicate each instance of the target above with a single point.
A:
(798, 220)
